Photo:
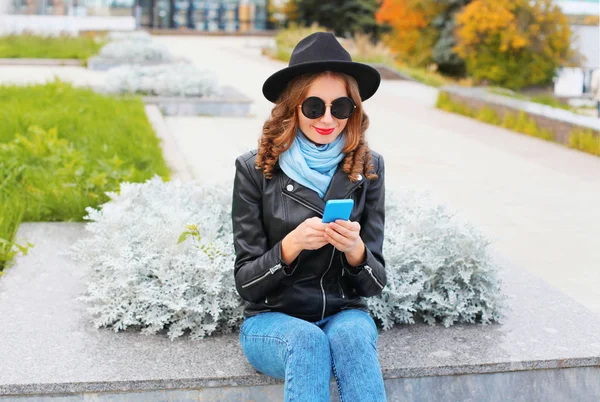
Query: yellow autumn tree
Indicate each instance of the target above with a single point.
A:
(513, 43)
(412, 37)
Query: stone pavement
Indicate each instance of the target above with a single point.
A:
(538, 201)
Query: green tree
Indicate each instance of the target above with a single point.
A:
(344, 17)
(442, 53)
(513, 43)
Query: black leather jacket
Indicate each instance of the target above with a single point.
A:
(319, 282)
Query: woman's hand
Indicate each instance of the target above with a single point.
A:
(309, 235)
(345, 236)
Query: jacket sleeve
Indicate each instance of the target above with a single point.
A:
(258, 269)
(369, 277)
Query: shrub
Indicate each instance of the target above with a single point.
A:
(133, 51)
(413, 35)
(175, 79)
(344, 17)
(287, 39)
(138, 36)
(522, 123)
(43, 158)
(11, 214)
(143, 277)
(585, 140)
(513, 43)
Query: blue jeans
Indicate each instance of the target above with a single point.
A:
(307, 354)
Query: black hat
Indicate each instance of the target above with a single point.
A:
(321, 51)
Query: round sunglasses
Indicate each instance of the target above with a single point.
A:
(314, 107)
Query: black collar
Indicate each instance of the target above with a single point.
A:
(339, 188)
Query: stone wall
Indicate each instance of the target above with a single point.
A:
(558, 121)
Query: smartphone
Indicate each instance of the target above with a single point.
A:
(337, 209)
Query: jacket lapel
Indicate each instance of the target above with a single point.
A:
(340, 187)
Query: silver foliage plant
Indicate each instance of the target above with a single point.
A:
(174, 79)
(142, 278)
(139, 36)
(438, 267)
(134, 51)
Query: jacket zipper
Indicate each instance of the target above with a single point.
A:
(300, 201)
(341, 289)
(312, 208)
(370, 271)
(271, 271)
(323, 276)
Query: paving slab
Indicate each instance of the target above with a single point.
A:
(49, 345)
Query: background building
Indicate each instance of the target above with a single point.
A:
(75, 15)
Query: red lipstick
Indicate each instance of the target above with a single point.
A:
(323, 131)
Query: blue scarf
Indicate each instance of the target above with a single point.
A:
(310, 164)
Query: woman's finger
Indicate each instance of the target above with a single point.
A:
(341, 247)
(330, 233)
(349, 225)
(340, 229)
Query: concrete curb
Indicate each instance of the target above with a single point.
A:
(41, 62)
(98, 63)
(390, 73)
(173, 156)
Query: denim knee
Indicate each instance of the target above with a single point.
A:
(353, 333)
(309, 340)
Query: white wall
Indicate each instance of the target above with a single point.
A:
(579, 7)
(4, 6)
(56, 24)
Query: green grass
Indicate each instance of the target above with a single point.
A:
(580, 139)
(426, 77)
(60, 47)
(62, 148)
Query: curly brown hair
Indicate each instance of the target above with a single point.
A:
(280, 129)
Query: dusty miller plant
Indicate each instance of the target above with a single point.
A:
(175, 79)
(134, 51)
(139, 36)
(161, 257)
(143, 277)
(438, 268)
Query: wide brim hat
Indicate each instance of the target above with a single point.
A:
(318, 52)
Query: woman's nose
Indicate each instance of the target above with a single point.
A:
(327, 117)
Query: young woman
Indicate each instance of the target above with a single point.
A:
(303, 280)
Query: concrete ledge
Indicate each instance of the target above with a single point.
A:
(548, 348)
(98, 63)
(389, 73)
(171, 153)
(41, 62)
(560, 122)
(229, 102)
